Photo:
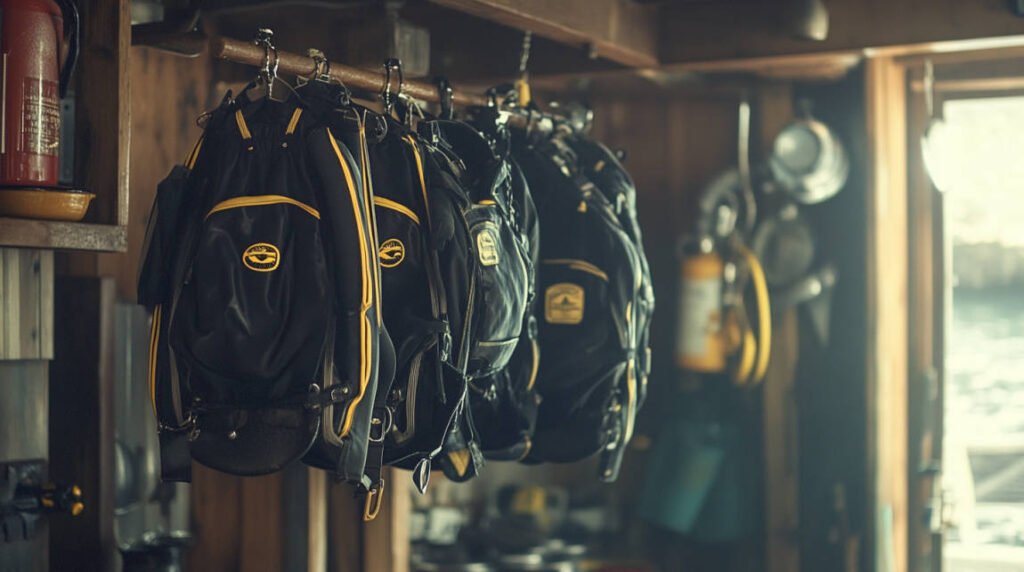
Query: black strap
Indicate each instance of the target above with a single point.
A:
(380, 426)
(175, 457)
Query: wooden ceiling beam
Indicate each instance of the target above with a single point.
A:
(618, 30)
(701, 32)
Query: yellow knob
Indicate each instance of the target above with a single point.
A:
(77, 508)
(76, 491)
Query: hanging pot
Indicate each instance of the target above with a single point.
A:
(809, 162)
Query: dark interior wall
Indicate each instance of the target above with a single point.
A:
(675, 145)
(831, 390)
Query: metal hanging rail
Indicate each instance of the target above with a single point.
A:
(251, 54)
(254, 54)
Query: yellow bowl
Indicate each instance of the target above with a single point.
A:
(45, 204)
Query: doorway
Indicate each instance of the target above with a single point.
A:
(983, 446)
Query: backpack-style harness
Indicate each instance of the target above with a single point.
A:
(457, 279)
(261, 273)
(593, 310)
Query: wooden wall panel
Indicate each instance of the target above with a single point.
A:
(26, 304)
(168, 94)
(102, 111)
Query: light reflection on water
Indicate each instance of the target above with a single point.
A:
(984, 404)
(985, 391)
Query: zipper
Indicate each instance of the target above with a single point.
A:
(397, 207)
(581, 265)
(259, 201)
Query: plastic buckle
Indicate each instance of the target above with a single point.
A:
(374, 500)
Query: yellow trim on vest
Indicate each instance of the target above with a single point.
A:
(154, 340)
(631, 403)
(397, 207)
(294, 122)
(535, 368)
(419, 171)
(259, 201)
(365, 350)
(190, 161)
(371, 216)
(243, 128)
(581, 265)
(460, 460)
(487, 202)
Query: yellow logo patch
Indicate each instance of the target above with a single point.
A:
(261, 257)
(487, 247)
(391, 253)
(564, 303)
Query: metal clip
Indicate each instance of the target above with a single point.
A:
(322, 71)
(268, 73)
(389, 97)
(374, 500)
(445, 96)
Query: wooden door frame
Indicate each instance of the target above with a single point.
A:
(887, 349)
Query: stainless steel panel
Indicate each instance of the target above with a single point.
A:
(24, 410)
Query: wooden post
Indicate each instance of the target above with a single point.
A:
(886, 278)
(781, 446)
(386, 544)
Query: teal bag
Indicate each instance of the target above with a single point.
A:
(700, 481)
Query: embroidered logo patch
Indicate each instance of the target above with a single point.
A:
(391, 253)
(564, 303)
(261, 257)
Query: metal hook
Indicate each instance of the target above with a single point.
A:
(524, 54)
(387, 95)
(321, 66)
(445, 96)
(268, 72)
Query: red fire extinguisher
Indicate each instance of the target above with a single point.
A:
(38, 50)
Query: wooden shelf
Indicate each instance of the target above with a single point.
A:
(617, 30)
(27, 233)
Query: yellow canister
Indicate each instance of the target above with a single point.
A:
(700, 342)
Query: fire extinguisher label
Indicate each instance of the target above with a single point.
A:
(699, 316)
(40, 121)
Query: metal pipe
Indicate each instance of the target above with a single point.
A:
(250, 54)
